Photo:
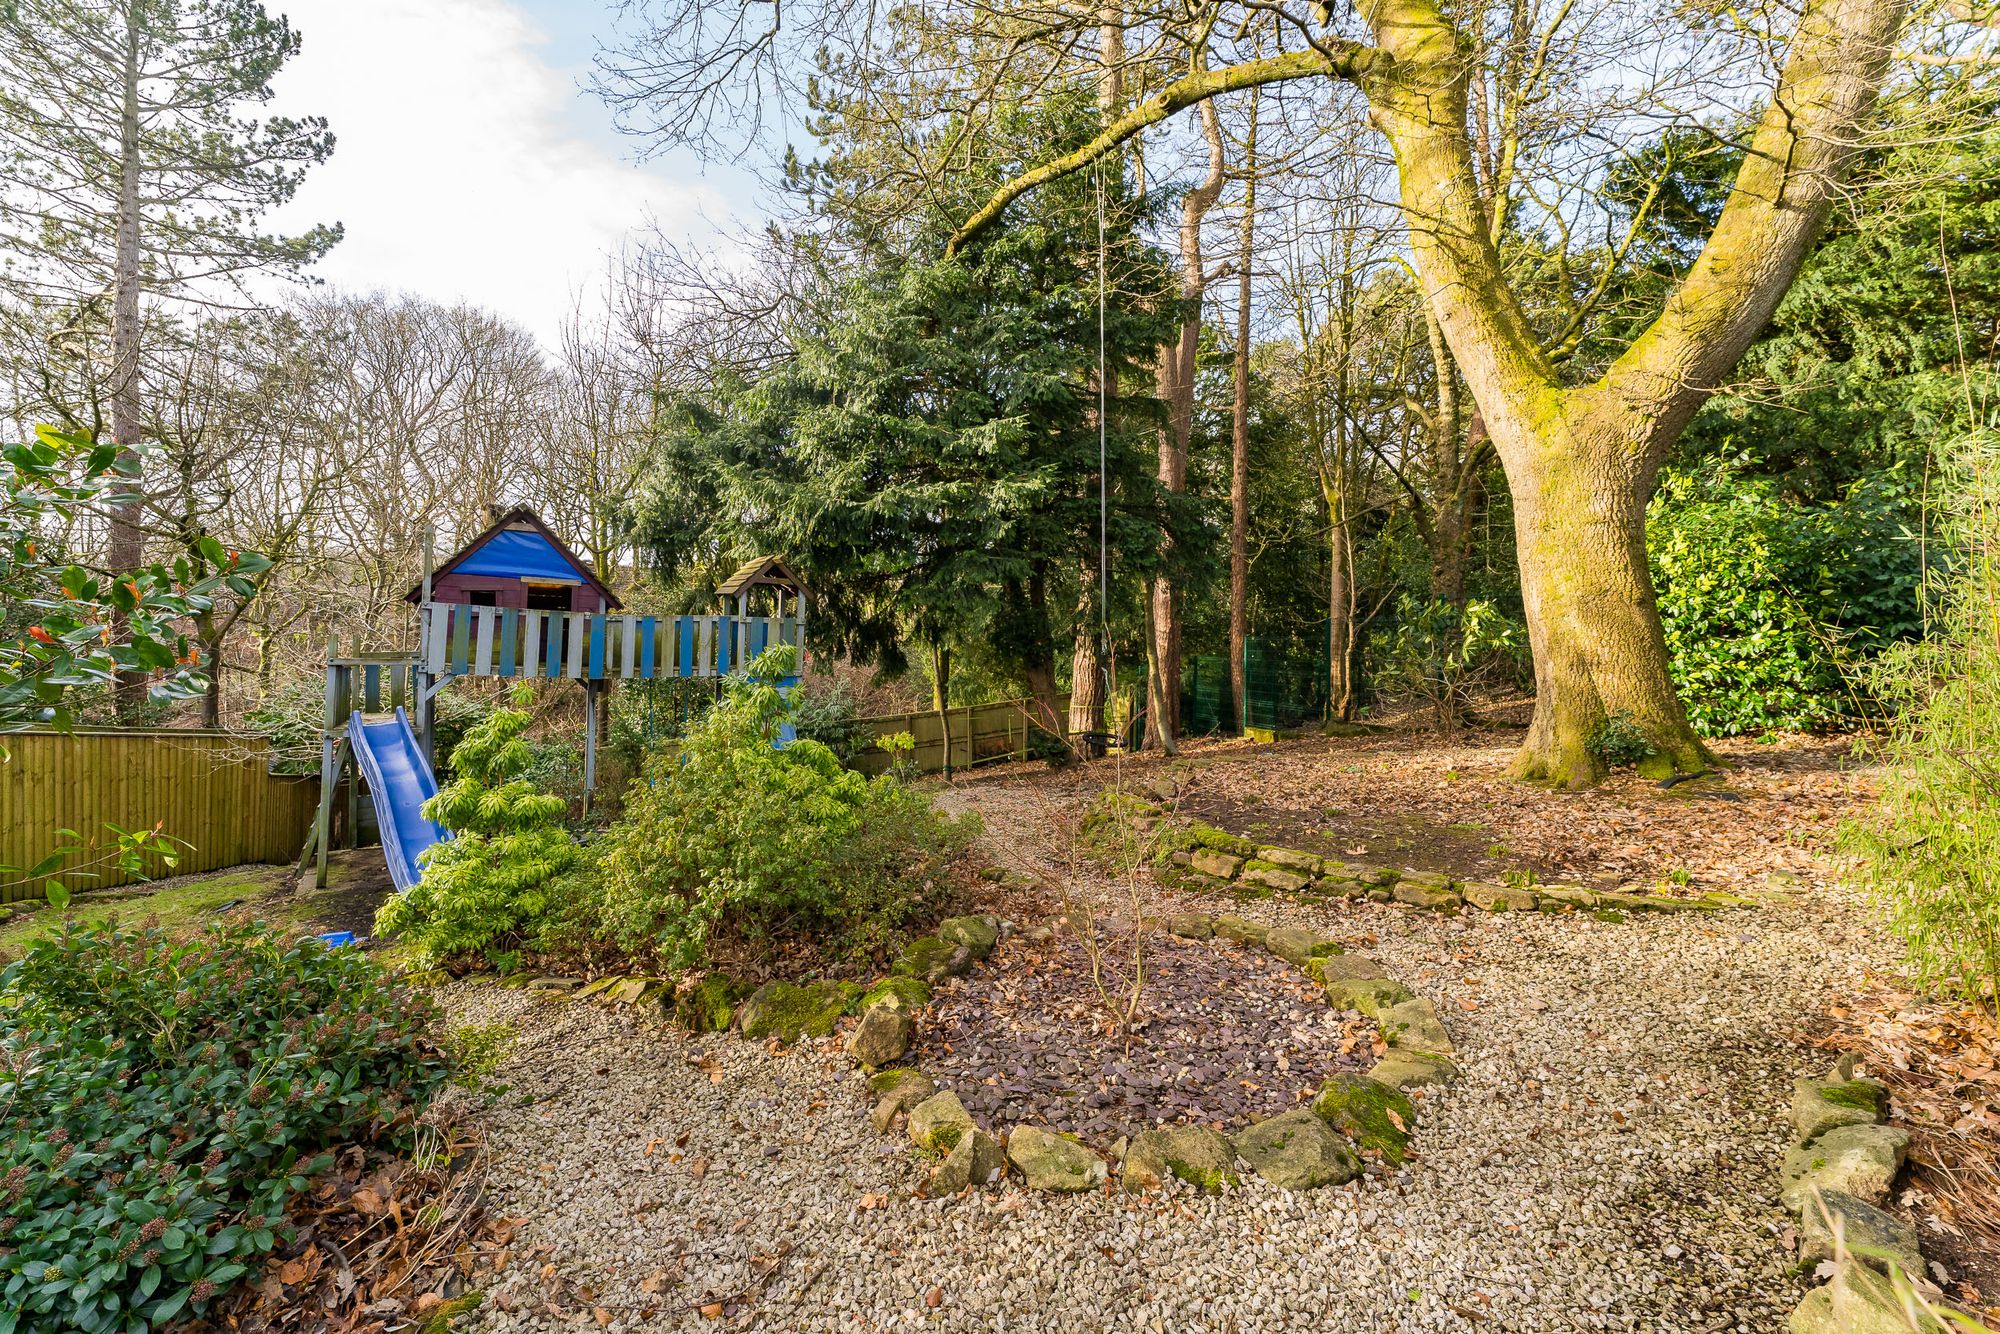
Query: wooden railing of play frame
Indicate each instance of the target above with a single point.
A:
(458, 640)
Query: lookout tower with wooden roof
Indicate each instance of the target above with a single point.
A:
(757, 576)
(516, 603)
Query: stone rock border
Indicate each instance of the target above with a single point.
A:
(1205, 856)
(1837, 1174)
(1320, 1145)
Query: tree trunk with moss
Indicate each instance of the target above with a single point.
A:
(1580, 525)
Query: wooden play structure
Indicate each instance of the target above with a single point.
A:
(516, 603)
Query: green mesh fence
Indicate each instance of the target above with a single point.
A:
(1285, 689)
(1206, 707)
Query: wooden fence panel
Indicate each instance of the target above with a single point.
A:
(979, 733)
(209, 789)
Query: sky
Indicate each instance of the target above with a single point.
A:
(469, 163)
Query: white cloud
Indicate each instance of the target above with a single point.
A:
(458, 171)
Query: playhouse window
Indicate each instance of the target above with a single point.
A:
(483, 597)
(548, 599)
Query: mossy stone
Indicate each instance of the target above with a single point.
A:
(938, 1121)
(1048, 1161)
(707, 1006)
(976, 1160)
(1860, 1161)
(975, 933)
(1340, 966)
(1291, 859)
(1819, 1105)
(1221, 840)
(1873, 1237)
(440, 1317)
(882, 1036)
(1297, 1151)
(1195, 1154)
(896, 1092)
(1500, 898)
(1432, 898)
(908, 992)
(932, 960)
(1367, 995)
(1241, 931)
(1404, 1070)
(1368, 1112)
(1214, 862)
(1191, 926)
(788, 1011)
(1413, 1026)
(1857, 1301)
(1293, 944)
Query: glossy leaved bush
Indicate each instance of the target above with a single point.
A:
(161, 1100)
(1771, 604)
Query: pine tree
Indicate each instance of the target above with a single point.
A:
(129, 170)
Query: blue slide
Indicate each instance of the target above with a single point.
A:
(400, 783)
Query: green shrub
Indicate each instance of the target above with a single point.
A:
(490, 886)
(829, 716)
(161, 1101)
(1769, 605)
(1442, 656)
(1618, 741)
(727, 837)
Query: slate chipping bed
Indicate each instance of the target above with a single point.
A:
(1606, 1163)
(1229, 1035)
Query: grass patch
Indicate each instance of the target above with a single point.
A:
(180, 908)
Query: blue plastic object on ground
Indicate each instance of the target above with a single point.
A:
(333, 940)
(399, 782)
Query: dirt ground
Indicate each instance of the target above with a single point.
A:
(1411, 800)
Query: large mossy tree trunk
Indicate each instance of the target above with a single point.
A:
(1581, 461)
(1580, 526)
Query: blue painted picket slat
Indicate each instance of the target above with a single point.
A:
(687, 632)
(508, 620)
(596, 669)
(646, 647)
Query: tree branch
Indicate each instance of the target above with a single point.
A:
(1352, 61)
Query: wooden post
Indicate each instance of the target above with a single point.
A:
(742, 629)
(591, 741)
(351, 773)
(329, 770)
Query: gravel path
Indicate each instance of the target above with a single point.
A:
(1608, 1162)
